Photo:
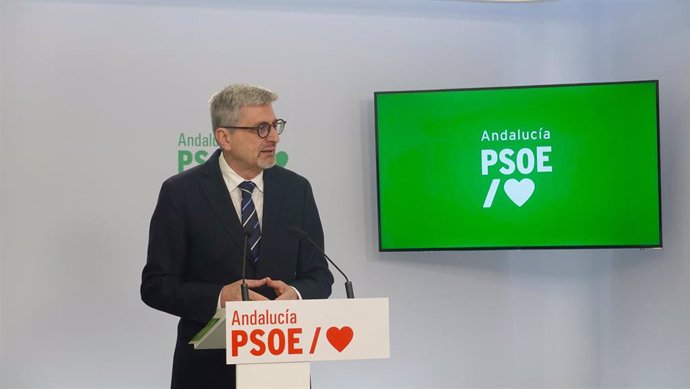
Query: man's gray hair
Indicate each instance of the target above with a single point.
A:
(226, 104)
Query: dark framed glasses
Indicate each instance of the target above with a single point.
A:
(264, 128)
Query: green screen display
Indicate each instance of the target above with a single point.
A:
(551, 166)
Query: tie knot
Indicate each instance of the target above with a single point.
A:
(247, 187)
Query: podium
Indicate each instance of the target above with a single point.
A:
(273, 342)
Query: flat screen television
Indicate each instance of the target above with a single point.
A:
(527, 167)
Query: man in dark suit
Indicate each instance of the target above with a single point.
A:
(197, 231)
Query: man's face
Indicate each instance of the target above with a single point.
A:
(249, 154)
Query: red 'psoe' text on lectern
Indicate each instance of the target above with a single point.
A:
(272, 342)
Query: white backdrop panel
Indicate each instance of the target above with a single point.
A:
(95, 94)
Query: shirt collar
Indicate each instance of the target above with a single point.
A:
(233, 180)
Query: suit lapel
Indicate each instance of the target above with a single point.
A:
(216, 192)
(273, 198)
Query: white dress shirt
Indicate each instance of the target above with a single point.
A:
(233, 180)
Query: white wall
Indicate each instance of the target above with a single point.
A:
(3, 200)
(95, 94)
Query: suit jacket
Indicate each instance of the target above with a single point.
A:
(195, 248)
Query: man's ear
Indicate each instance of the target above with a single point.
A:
(223, 138)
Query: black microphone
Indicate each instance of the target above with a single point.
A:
(245, 290)
(303, 235)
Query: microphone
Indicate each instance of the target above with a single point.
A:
(246, 233)
(299, 233)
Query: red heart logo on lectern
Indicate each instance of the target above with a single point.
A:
(339, 338)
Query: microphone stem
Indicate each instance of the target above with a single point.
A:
(244, 288)
(348, 284)
(303, 235)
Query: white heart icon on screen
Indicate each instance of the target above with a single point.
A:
(519, 191)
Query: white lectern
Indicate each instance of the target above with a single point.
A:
(272, 342)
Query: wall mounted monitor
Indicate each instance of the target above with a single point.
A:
(550, 166)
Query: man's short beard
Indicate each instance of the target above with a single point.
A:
(266, 164)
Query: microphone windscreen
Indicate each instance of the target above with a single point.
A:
(248, 231)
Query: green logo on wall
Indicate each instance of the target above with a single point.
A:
(281, 158)
(195, 149)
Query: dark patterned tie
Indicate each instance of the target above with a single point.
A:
(251, 219)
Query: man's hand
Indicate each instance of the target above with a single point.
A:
(232, 292)
(283, 290)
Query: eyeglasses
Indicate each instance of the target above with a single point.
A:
(264, 128)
